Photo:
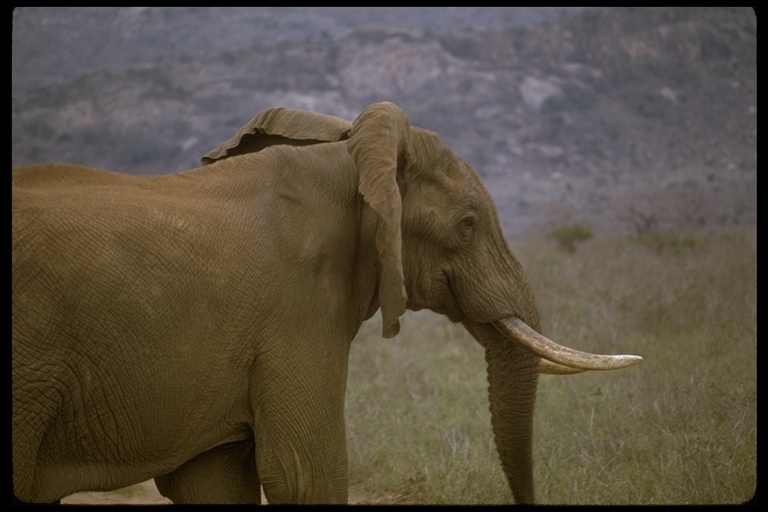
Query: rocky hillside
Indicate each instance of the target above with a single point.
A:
(577, 110)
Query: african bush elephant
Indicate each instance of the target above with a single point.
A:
(194, 327)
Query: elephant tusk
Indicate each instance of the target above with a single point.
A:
(517, 330)
(549, 368)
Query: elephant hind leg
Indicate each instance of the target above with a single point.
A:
(224, 474)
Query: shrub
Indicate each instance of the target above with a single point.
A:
(568, 236)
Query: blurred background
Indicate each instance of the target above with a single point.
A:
(619, 145)
(605, 116)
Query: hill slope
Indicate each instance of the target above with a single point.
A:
(573, 110)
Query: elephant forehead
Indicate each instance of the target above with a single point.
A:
(449, 181)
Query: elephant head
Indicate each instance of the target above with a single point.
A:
(440, 247)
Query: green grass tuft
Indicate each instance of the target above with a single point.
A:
(568, 236)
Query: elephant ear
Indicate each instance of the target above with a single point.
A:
(378, 143)
(281, 126)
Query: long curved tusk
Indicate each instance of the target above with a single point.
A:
(550, 368)
(517, 330)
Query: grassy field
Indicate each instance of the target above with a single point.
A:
(680, 428)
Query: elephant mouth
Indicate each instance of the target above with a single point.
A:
(451, 307)
(555, 358)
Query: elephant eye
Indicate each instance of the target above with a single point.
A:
(467, 226)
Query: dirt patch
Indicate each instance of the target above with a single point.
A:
(146, 493)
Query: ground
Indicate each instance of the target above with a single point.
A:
(146, 493)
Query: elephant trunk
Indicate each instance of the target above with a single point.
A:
(512, 377)
(513, 351)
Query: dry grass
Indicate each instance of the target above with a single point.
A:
(680, 428)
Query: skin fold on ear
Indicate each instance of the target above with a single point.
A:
(281, 126)
(377, 142)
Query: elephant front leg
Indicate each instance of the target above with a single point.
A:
(224, 474)
(301, 453)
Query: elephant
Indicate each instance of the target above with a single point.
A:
(195, 327)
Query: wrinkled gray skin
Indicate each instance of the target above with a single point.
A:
(194, 327)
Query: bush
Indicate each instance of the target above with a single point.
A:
(568, 236)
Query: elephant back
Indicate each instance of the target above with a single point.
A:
(281, 126)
